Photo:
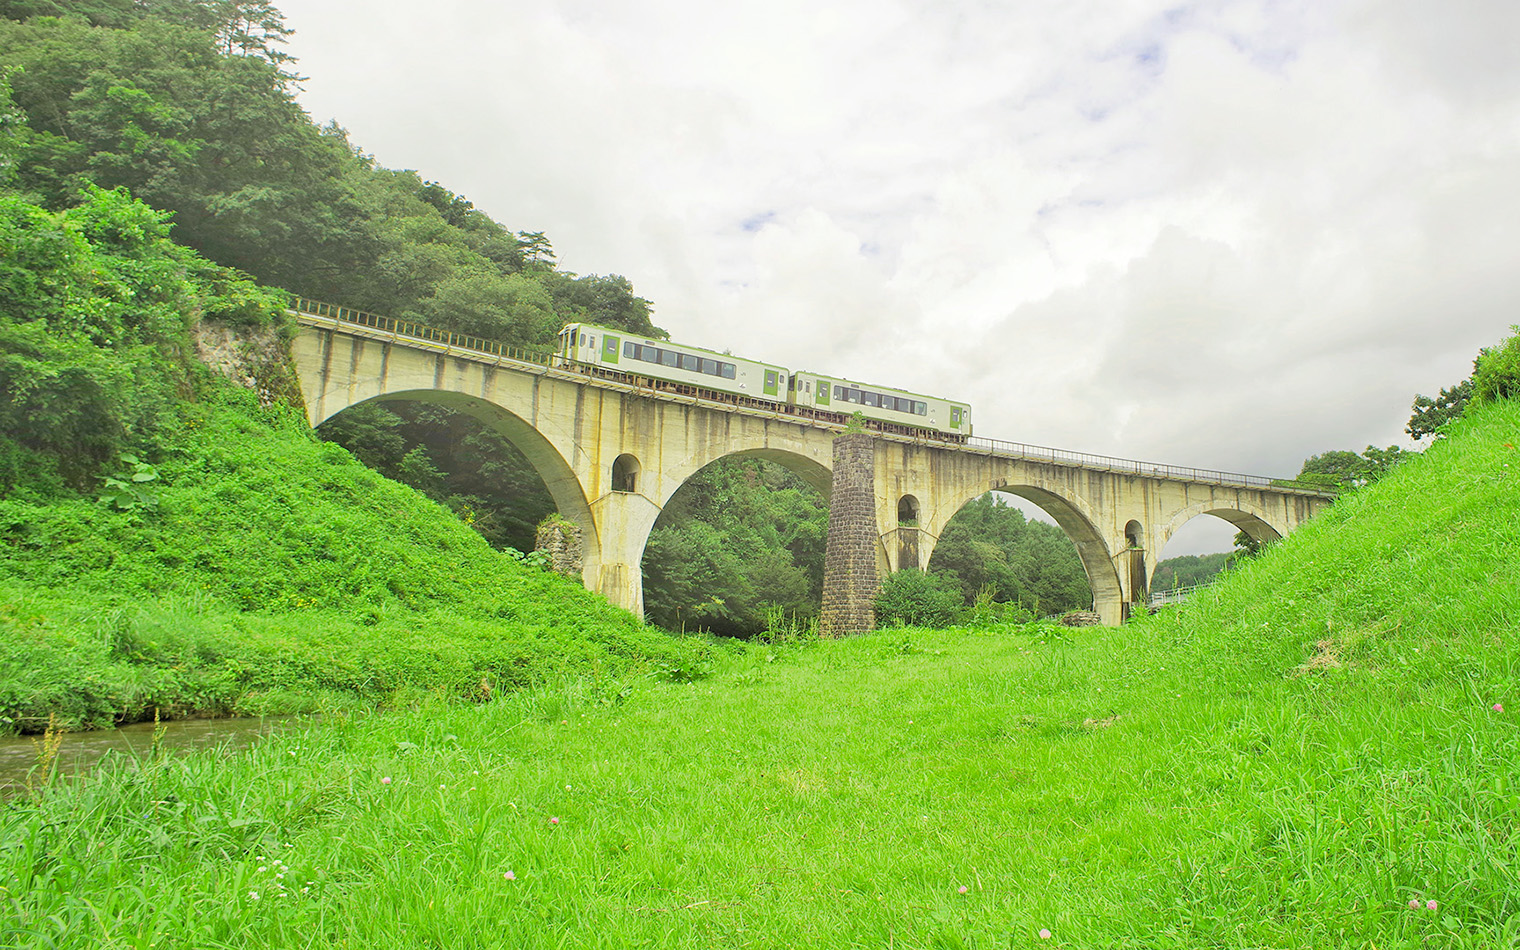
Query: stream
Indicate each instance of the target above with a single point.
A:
(81, 750)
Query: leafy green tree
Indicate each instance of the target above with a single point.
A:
(1496, 375)
(989, 543)
(1189, 570)
(1344, 470)
(91, 311)
(741, 536)
(915, 598)
(1431, 414)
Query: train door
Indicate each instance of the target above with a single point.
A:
(770, 382)
(821, 391)
(610, 346)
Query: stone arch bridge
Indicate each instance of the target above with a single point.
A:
(613, 453)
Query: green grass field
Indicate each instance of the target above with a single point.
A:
(1323, 752)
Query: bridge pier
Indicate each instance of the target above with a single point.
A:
(849, 566)
(623, 520)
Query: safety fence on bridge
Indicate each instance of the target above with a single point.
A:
(1019, 450)
(419, 331)
(1043, 453)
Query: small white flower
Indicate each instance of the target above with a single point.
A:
(253, 895)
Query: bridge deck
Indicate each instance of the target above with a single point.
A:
(494, 353)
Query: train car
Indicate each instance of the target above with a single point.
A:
(893, 407)
(625, 353)
(615, 352)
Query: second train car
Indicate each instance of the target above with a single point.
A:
(615, 351)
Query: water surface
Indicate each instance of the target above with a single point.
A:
(80, 751)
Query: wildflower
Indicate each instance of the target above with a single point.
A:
(1414, 903)
(553, 821)
(253, 895)
(386, 780)
(1044, 934)
(508, 875)
(963, 889)
(1498, 707)
(262, 869)
(1431, 905)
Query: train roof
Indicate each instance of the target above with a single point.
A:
(876, 387)
(629, 334)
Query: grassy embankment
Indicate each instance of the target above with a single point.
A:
(1326, 739)
(276, 574)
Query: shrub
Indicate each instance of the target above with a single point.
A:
(1497, 375)
(916, 598)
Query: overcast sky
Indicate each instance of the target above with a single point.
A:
(1221, 234)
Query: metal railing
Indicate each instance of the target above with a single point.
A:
(1041, 453)
(419, 331)
(1158, 598)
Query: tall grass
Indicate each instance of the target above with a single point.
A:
(1327, 740)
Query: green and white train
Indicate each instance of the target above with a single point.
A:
(692, 370)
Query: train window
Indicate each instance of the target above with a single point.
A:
(631, 350)
(728, 370)
(668, 358)
(921, 409)
(839, 392)
(583, 339)
(591, 341)
(868, 399)
(807, 387)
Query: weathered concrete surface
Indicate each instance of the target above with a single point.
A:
(573, 430)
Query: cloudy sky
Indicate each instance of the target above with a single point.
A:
(1228, 234)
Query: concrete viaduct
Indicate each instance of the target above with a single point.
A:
(612, 454)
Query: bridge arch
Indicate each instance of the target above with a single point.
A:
(1258, 524)
(551, 466)
(1071, 514)
(780, 577)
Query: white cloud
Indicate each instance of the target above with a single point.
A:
(1225, 233)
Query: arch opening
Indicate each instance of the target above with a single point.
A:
(493, 469)
(1037, 559)
(1200, 544)
(907, 511)
(625, 474)
(738, 547)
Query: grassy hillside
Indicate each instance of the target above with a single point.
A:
(276, 573)
(1322, 754)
